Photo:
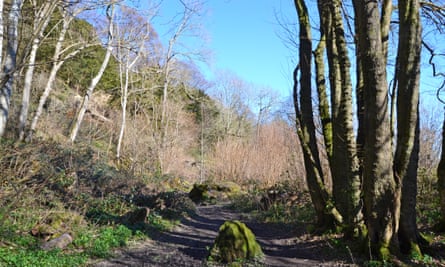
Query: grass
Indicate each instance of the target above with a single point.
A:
(36, 257)
(46, 186)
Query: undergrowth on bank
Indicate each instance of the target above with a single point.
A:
(48, 190)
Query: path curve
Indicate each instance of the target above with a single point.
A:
(188, 243)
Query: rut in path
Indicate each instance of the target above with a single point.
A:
(188, 244)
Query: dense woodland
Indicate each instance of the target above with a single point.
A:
(98, 111)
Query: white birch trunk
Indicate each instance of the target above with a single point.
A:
(10, 63)
(57, 62)
(124, 93)
(42, 20)
(97, 78)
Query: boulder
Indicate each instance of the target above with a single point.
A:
(235, 242)
(60, 242)
(209, 192)
(136, 216)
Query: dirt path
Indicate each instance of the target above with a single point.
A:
(187, 244)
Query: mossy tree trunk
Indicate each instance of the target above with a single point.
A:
(344, 163)
(407, 149)
(327, 216)
(379, 186)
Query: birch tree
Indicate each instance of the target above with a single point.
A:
(62, 52)
(133, 32)
(184, 26)
(10, 63)
(78, 121)
(42, 17)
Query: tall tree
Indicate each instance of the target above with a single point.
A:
(96, 79)
(344, 162)
(132, 33)
(327, 215)
(57, 61)
(9, 68)
(407, 149)
(379, 185)
(42, 16)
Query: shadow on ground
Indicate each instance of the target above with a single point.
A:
(188, 244)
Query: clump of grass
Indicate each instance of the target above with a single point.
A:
(36, 257)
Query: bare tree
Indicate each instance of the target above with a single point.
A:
(133, 32)
(9, 67)
(96, 79)
(184, 24)
(42, 16)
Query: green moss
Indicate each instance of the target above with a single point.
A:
(235, 241)
(384, 252)
(415, 251)
(210, 192)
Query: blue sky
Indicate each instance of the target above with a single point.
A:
(243, 39)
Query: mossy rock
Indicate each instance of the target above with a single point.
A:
(200, 193)
(235, 242)
(209, 192)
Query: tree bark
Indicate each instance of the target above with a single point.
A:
(407, 149)
(9, 67)
(379, 186)
(327, 215)
(323, 101)
(345, 164)
(96, 79)
(41, 21)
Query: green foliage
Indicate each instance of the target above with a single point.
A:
(37, 258)
(78, 71)
(109, 237)
(80, 32)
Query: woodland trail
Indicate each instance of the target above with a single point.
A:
(188, 243)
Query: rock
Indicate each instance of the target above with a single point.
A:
(235, 241)
(209, 192)
(60, 242)
(136, 216)
(199, 193)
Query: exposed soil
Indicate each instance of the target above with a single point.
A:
(188, 244)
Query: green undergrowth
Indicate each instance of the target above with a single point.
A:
(48, 190)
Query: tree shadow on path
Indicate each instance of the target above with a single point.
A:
(188, 244)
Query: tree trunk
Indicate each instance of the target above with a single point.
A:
(345, 164)
(306, 128)
(9, 67)
(96, 79)
(323, 102)
(407, 150)
(41, 22)
(379, 186)
(441, 182)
